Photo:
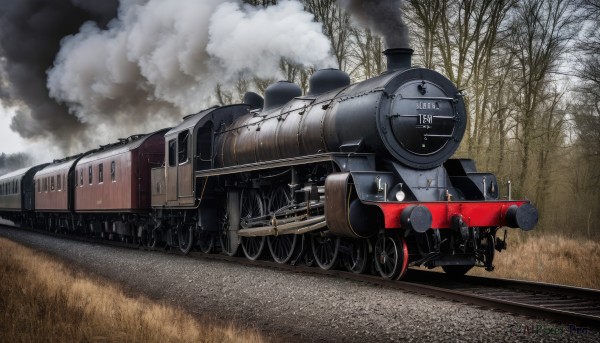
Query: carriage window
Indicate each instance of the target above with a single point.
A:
(172, 150)
(113, 171)
(65, 180)
(90, 175)
(81, 177)
(101, 173)
(58, 182)
(52, 183)
(182, 143)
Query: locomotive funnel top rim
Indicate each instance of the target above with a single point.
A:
(398, 58)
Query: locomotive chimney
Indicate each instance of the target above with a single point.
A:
(398, 58)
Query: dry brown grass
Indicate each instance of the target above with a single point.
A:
(41, 300)
(548, 258)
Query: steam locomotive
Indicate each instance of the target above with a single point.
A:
(353, 175)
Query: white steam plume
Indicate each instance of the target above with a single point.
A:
(161, 59)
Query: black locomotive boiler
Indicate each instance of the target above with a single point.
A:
(358, 174)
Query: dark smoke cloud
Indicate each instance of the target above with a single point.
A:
(13, 162)
(30, 35)
(381, 16)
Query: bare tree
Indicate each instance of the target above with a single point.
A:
(336, 26)
(459, 38)
(539, 36)
(424, 25)
(367, 54)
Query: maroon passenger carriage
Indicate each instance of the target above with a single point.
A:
(112, 186)
(54, 187)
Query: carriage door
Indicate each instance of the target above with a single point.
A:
(172, 170)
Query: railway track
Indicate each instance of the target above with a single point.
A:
(574, 306)
(579, 308)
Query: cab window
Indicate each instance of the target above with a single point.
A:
(182, 144)
(172, 152)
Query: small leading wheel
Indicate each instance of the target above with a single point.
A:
(206, 242)
(356, 255)
(186, 236)
(391, 256)
(325, 250)
(282, 247)
(459, 270)
(252, 207)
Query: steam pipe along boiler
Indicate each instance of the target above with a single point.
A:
(352, 174)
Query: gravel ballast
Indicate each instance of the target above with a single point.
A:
(297, 307)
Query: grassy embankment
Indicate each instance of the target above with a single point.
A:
(548, 258)
(41, 300)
